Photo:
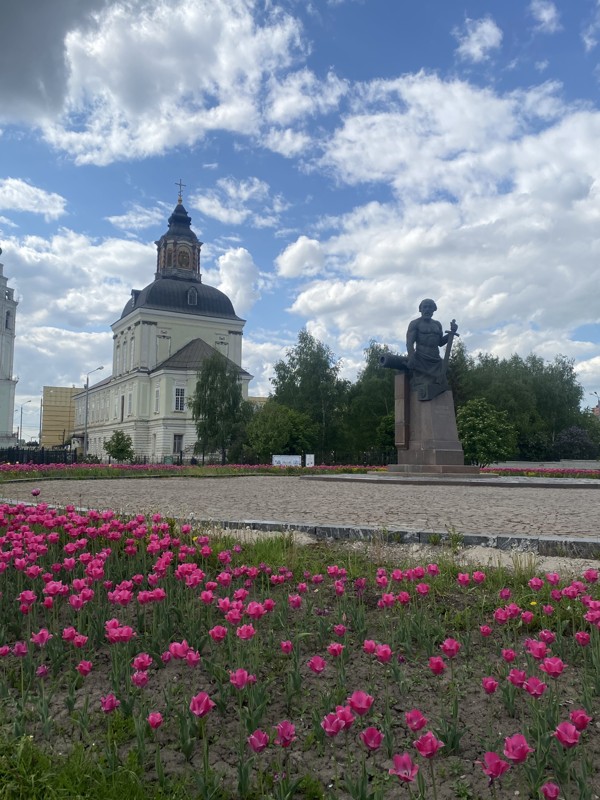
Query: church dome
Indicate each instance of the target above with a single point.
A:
(185, 296)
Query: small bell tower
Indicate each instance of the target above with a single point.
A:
(179, 248)
(8, 313)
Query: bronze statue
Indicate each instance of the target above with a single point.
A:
(424, 337)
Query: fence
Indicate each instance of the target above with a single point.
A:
(37, 455)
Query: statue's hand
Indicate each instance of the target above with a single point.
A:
(453, 326)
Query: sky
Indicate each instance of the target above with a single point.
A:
(342, 160)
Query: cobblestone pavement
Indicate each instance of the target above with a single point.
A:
(524, 510)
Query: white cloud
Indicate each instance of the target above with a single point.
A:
(479, 38)
(18, 195)
(304, 257)
(237, 276)
(286, 142)
(591, 31)
(140, 83)
(235, 202)
(301, 94)
(546, 16)
(138, 217)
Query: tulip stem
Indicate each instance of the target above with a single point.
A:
(433, 786)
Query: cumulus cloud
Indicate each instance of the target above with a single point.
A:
(301, 94)
(301, 258)
(235, 202)
(18, 195)
(139, 217)
(139, 83)
(546, 16)
(478, 39)
(237, 276)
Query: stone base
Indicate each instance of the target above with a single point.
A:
(426, 470)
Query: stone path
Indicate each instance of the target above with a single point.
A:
(477, 510)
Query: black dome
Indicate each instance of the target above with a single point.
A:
(177, 294)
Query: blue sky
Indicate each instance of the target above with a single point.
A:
(342, 160)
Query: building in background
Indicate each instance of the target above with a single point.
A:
(8, 313)
(58, 415)
(165, 333)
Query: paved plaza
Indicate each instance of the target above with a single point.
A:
(523, 510)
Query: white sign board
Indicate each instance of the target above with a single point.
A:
(310, 459)
(287, 461)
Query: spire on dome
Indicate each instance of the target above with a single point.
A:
(180, 195)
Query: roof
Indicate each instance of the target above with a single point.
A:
(177, 294)
(192, 355)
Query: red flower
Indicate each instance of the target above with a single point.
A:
(415, 720)
(201, 705)
(371, 738)
(428, 745)
(516, 748)
(567, 734)
(404, 768)
(317, 664)
(553, 667)
(258, 741)
(383, 653)
(332, 724)
(286, 733)
(286, 647)
(582, 638)
(109, 703)
(450, 648)
(493, 766)
(580, 719)
(535, 687)
(155, 719)
(360, 703)
(489, 685)
(550, 791)
(437, 665)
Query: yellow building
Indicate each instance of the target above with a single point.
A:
(58, 415)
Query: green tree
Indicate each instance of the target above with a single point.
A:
(371, 403)
(485, 433)
(307, 381)
(278, 429)
(575, 443)
(120, 446)
(217, 405)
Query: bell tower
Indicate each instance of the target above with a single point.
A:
(178, 253)
(8, 312)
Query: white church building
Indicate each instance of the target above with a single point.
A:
(8, 313)
(160, 341)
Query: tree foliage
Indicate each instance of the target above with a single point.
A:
(276, 429)
(485, 433)
(120, 446)
(218, 409)
(371, 403)
(307, 380)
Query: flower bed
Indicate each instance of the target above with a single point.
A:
(203, 669)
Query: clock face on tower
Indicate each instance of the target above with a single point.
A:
(183, 259)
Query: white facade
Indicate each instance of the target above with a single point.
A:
(8, 313)
(165, 333)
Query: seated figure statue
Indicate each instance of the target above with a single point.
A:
(424, 337)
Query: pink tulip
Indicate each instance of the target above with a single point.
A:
(218, 633)
(590, 575)
(536, 649)
(428, 745)
(415, 720)
(517, 677)
(240, 678)
(437, 665)
(369, 646)
(371, 738)
(286, 647)
(155, 720)
(535, 687)
(450, 648)
(527, 617)
(485, 630)
(516, 748)
(489, 685)
(383, 653)
(580, 719)
(142, 662)
(553, 578)
(340, 630)
(403, 598)
(84, 668)
(404, 768)
(548, 637)
(317, 664)
(42, 637)
(567, 734)
(360, 703)
(553, 667)
(294, 600)
(332, 724)
(550, 791)
(505, 594)
(422, 589)
(582, 638)
(345, 714)
(463, 579)
(508, 655)
(536, 584)
(286, 733)
(335, 649)
(140, 678)
(493, 766)
(109, 703)
(258, 741)
(201, 704)
(245, 632)
(478, 577)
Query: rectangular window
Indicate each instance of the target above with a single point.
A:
(179, 399)
(129, 404)
(157, 400)
(177, 443)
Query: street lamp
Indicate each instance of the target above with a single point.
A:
(597, 409)
(87, 398)
(20, 434)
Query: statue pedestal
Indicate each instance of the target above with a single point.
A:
(426, 435)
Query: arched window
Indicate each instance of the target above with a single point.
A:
(7, 321)
(192, 297)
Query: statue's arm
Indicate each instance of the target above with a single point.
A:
(411, 337)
